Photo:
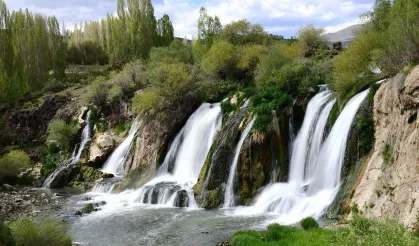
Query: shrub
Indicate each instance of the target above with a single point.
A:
(6, 237)
(12, 163)
(266, 101)
(309, 223)
(45, 231)
(62, 133)
(278, 232)
(97, 93)
(387, 154)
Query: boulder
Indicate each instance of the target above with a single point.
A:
(182, 199)
(101, 149)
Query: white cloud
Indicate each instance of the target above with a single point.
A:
(278, 16)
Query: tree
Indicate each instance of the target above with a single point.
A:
(243, 32)
(311, 39)
(208, 27)
(221, 60)
(165, 31)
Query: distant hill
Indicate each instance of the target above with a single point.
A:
(345, 35)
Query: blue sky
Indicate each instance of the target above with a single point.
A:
(282, 17)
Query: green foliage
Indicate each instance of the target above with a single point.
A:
(6, 237)
(265, 102)
(389, 41)
(165, 31)
(12, 163)
(89, 208)
(87, 53)
(43, 231)
(374, 232)
(360, 231)
(97, 93)
(311, 40)
(171, 83)
(208, 28)
(31, 46)
(61, 133)
(242, 32)
(309, 223)
(373, 89)
(176, 52)
(387, 154)
(220, 60)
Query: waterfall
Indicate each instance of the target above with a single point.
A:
(115, 163)
(75, 157)
(179, 172)
(229, 192)
(186, 156)
(301, 143)
(315, 171)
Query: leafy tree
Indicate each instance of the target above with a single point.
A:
(221, 59)
(243, 32)
(311, 39)
(208, 27)
(165, 31)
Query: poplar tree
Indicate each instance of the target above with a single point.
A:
(165, 31)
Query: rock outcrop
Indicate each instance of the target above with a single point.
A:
(209, 191)
(101, 148)
(389, 185)
(30, 126)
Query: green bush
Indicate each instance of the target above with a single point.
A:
(266, 101)
(6, 237)
(43, 231)
(97, 93)
(62, 133)
(387, 154)
(246, 240)
(278, 232)
(11, 164)
(309, 223)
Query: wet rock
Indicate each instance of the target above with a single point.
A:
(101, 149)
(65, 176)
(182, 199)
(78, 213)
(107, 175)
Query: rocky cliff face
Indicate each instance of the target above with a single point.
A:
(209, 191)
(389, 184)
(30, 126)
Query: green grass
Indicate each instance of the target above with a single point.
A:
(360, 231)
(40, 232)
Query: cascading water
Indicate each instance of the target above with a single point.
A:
(186, 155)
(315, 171)
(229, 192)
(85, 137)
(115, 163)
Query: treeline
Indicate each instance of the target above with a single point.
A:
(128, 36)
(237, 56)
(31, 46)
